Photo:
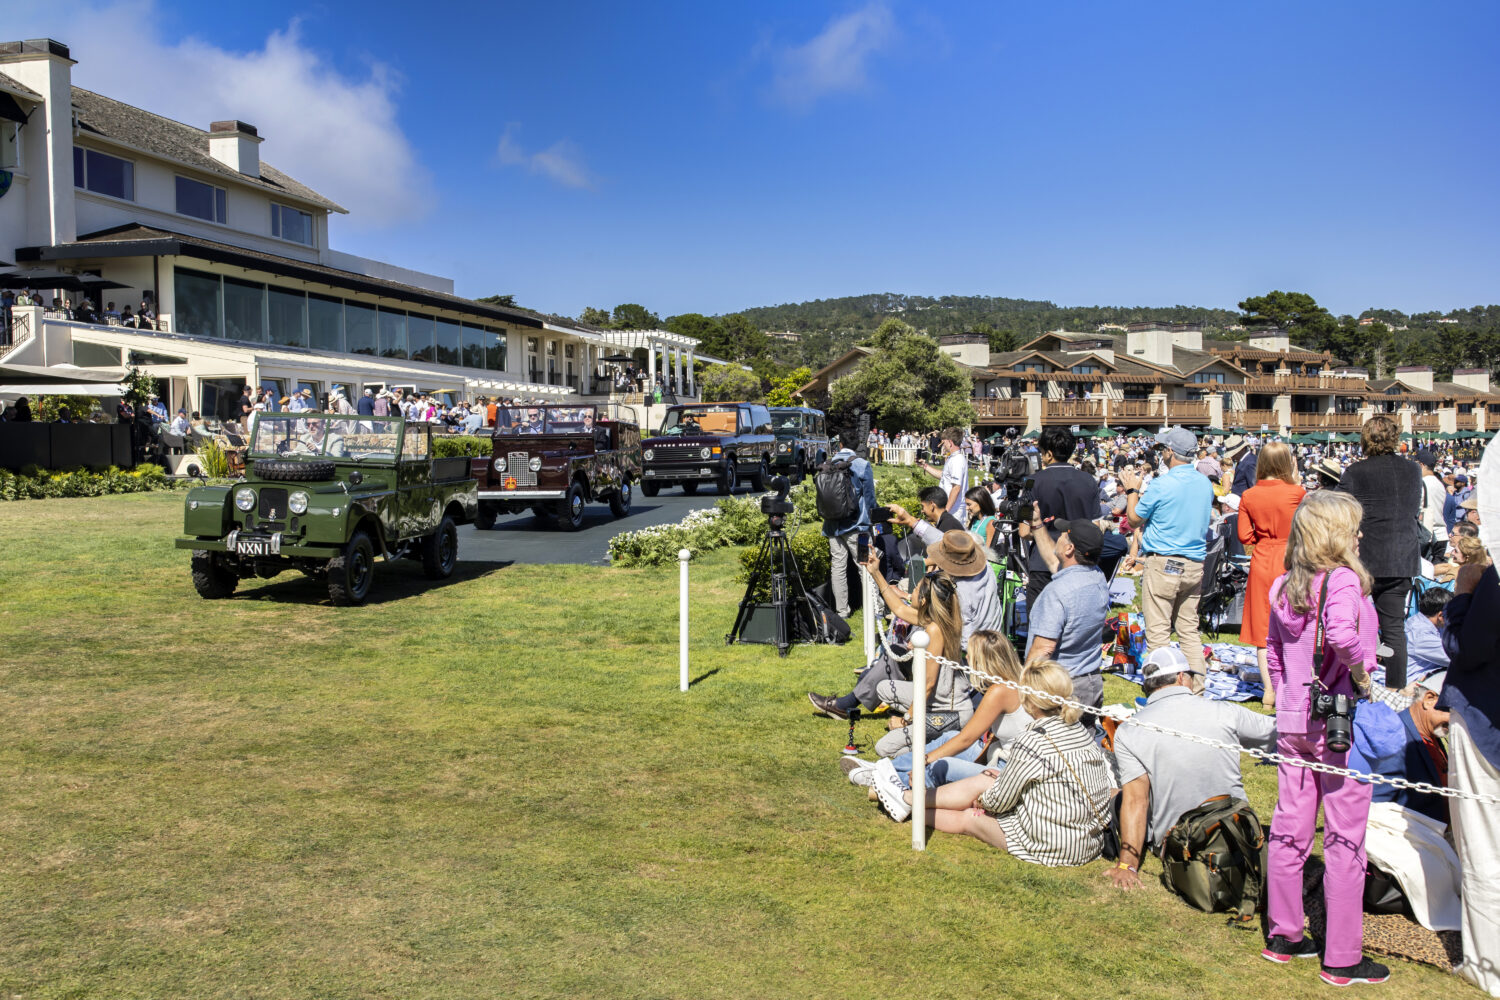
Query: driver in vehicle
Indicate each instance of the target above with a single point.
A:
(324, 440)
(533, 423)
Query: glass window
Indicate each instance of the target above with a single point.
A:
(359, 329)
(152, 358)
(288, 318)
(473, 347)
(86, 355)
(325, 323)
(201, 201)
(219, 398)
(570, 350)
(103, 174)
(198, 301)
(494, 353)
(551, 348)
(415, 448)
(392, 334)
(275, 385)
(244, 311)
(449, 342)
(419, 335)
(10, 145)
(290, 224)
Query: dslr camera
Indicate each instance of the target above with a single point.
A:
(1337, 711)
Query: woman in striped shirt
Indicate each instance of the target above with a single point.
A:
(1048, 805)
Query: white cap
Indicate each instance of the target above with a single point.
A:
(1167, 661)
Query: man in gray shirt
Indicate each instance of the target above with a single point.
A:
(1067, 622)
(1162, 777)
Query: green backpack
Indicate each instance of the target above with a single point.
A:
(1215, 858)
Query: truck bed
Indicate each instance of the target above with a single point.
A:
(447, 470)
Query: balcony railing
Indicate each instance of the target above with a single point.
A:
(1425, 421)
(1191, 411)
(1326, 422)
(1073, 410)
(1015, 408)
(1253, 419)
(1321, 383)
(1132, 409)
(1467, 421)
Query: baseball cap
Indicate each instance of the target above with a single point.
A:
(1230, 500)
(1427, 458)
(1166, 662)
(1461, 478)
(1434, 681)
(1085, 535)
(1180, 440)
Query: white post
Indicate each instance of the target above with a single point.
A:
(919, 640)
(651, 368)
(868, 583)
(683, 555)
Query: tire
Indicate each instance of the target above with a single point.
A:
(352, 572)
(281, 471)
(543, 516)
(484, 518)
(440, 550)
(689, 488)
(212, 579)
(799, 469)
(729, 480)
(761, 478)
(651, 489)
(619, 501)
(570, 514)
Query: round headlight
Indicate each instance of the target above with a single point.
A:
(705, 451)
(244, 498)
(649, 455)
(297, 503)
(535, 465)
(499, 464)
(783, 447)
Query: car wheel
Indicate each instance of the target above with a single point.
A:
(729, 480)
(619, 503)
(570, 514)
(484, 520)
(690, 488)
(762, 478)
(211, 577)
(651, 489)
(440, 551)
(799, 470)
(351, 572)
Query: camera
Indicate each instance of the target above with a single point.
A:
(1337, 710)
(778, 507)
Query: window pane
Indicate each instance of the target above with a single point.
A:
(78, 166)
(197, 303)
(110, 175)
(196, 199)
(449, 340)
(392, 334)
(219, 398)
(494, 354)
(359, 329)
(244, 311)
(87, 355)
(290, 224)
(473, 347)
(325, 323)
(288, 318)
(419, 335)
(219, 199)
(10, 145)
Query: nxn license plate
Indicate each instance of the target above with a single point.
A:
(258, 546)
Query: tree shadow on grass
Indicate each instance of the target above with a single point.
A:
(393, 582)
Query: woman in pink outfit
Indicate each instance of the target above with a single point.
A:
(1324, 583)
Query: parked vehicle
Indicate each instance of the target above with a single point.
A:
(326, 494)
(710, 442)
(556, 460)
(801, 440)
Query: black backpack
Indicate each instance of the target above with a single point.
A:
(834, 485)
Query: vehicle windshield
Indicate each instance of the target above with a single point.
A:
(789, 422)
(288, 435)
(514, 420)
(700, 420)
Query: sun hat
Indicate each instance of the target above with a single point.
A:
(957, 552)
(1329, 469)
(1434, 681)
(1471, 502)
(1166, 661)
(1181, 440)
(1235, 445)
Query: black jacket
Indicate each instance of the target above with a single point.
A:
(1244, 473)
(1389, 488)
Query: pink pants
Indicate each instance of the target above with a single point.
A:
(1346, 812)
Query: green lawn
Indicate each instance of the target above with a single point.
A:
(491, 788)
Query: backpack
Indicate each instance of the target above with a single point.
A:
(1215, 858)
(834, 485)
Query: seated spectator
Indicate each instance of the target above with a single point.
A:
(180, 424)
(1067, 623)
(935, 509)
(1163, 777)
(1405, 745)
(110, 312)
(1048, 805)
(1424, 633)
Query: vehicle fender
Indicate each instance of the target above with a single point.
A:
(370, 524)
(208, 512)
(456, 511)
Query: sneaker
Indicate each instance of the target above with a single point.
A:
(1365, 972)
(1279, 949)
(888, 788)
(828, 705)
(859, 772)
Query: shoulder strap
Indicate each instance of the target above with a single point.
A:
(1081, 787)
(1318, 632)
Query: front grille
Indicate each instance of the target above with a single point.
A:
(516, 468)
(273, 502)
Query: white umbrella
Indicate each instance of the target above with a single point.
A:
(64, 389)
(1487, 492)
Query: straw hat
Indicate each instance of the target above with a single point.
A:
(957, 552)
(1330, 469)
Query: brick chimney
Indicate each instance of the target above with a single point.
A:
(1477, 379)
(1416, 376)
(235, 144)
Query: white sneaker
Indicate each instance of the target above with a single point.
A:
(889, 790)
(860, 772)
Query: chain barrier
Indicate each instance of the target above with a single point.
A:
(1269, 756)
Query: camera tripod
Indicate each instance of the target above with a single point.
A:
(788, 617)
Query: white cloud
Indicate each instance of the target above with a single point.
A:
(561, 162)
(833, 61)
(333, 131)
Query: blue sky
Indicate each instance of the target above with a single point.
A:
(708, 157)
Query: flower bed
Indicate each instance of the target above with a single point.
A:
(32, 483)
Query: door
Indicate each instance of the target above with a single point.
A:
(417, 501)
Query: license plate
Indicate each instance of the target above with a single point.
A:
(258, 546)
(705, 472)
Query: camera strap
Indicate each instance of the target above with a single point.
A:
(1317, 664)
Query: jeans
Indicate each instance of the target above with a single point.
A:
(961, 765)
(1390, 594)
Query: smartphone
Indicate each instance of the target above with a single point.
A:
(880, 515)
(864, 546)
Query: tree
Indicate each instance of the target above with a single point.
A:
(783, 387)
(1297, 313)
(1358, 345)
(907, 384)
(597, 318)
(139, 387)
(729, 382)
(746, 336)
(506, 301)
(630, 316)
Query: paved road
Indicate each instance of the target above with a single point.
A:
(519, 538)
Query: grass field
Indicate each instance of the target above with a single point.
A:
(492, 788)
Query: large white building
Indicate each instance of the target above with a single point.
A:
(234, 257)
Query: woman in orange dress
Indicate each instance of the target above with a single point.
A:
(1265, 523)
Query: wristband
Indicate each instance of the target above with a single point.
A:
(1123, 865)
(1129, 492)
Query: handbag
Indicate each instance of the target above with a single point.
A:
(1109, 834)
(1215, 856)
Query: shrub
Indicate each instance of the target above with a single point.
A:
(700, 531)
(455, 445)
(810, 549)
(32, 483)
(215, 462)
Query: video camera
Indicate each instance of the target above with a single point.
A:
(1016, 470)
(778, 507)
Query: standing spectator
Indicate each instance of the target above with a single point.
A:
(1265, 523)
(381, 407)
(954, 476)
(843, 536)
(145, 316)
(247, 407)
(1068, 617)
(366, 405)
(1389, 490)
(1434, 496)
(1237, 452)
(1451, 512)
(23, 411)
(1175, 513)
(1062, 493)
(1322, 632)
(7, 300)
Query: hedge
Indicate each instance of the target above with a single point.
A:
(455, 445)
(32, 483)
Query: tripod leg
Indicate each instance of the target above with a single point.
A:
(747, 603)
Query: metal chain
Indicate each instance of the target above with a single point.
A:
(1266, 755)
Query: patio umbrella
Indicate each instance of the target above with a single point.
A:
(615, 357)
(1104, 432)
(1141, 432)
(40, 280)
(1030, 435)
(94, 283)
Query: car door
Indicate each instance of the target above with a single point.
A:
(417, 501)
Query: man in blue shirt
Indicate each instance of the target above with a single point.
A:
(1175, 512)
(1405, 745)
(843, 536)
(1424, 634)
(1067, 621)
(1451, 512)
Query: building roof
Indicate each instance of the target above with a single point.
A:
(19, 89)
(820, 377)
(137, 240)
(125, 125)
